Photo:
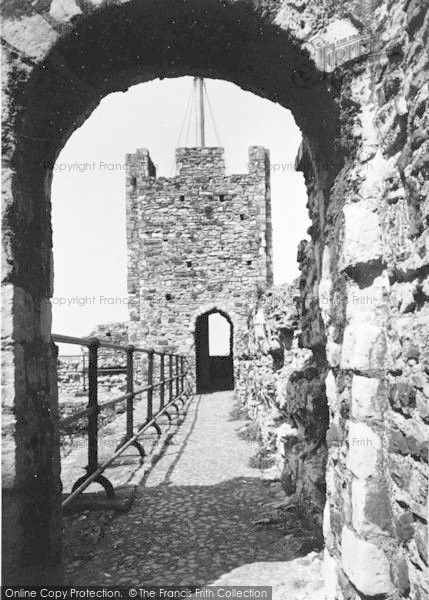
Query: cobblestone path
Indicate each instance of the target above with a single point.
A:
(194, 520)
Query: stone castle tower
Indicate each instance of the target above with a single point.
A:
(197, 242)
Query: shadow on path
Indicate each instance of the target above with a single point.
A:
(201, 512)
(188, 535)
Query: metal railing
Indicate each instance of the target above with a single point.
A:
(171, 389)
(80, 370)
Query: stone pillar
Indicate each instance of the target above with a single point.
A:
(30, 446)
(31, 486)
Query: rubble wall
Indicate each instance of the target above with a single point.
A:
(354, 75)
(282, 387)
(197, 241)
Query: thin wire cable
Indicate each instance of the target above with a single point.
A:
(188, 119)
(190, 115)
(181, 129)
(212, 115)
(214, 122)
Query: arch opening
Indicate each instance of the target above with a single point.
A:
(214, 355)
(120, 46)
(108, 50)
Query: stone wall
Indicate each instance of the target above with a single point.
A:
(72, 375)
(198, 241)
(282, 386)
(362, 106)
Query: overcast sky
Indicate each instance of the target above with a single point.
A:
(88, 191)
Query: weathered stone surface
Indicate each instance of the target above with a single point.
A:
(405, 526)
(365, 150)
(32, 34)
(366, 304)
(370, 507)
(196, 241)
(363, 453)
(421, 538)
(365, 565)
(410, 439)
(64, 10)
(284, 384)
(330, 576)
(18, 314)
(364, 348)
(402, 396)
(367, 398)
(362, 236)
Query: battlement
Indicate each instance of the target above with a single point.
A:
(199, 238)
(139, 166)
(195, 161)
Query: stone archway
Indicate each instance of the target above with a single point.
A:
(76, 63)
(60, 62)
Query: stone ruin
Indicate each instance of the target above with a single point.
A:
(198, 241)
(354, 75)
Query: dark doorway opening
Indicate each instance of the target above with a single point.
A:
(214, 352)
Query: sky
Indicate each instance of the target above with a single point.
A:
(88, 189)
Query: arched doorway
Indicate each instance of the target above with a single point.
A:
(55, 83)
(214, 352)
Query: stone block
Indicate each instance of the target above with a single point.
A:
(367, 398)
(421, 539)
(405, 299)
(402, 396)
(17, 314)
(370, 506)
(422, 404)
(327, 521)
(325, 286)
(362, 236)
(333, 353)
(330, 576)
(32, 34)
(331, 390)
(333, 435)
(404, 525)
(365, 565)
(363, 451)
(366, 304)
(416, 12)
(410, 437)
(364, 348)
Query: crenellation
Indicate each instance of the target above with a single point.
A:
(360, 326)
(200, 237)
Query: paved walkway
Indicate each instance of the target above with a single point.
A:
(195, 519)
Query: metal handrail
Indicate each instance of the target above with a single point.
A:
(87, 341)
(174, 383)
(96, 474)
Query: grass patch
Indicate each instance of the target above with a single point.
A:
(238, 413)
(250, 433)
(262, 459)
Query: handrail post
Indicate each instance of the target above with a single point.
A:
(170, 375)
(162, 378)
(182, 373)
(150, 384)
(84, 371)
(130, 390)
(177, 375)
(93, 405)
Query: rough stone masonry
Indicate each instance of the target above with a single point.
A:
(196, 242)
(354, 73)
